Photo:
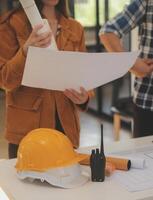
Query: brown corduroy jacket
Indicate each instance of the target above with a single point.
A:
(29, 108)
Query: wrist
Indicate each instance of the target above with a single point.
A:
(25, 50)
(84, 105)
(83, 102)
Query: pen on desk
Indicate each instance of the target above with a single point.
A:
(119, 163)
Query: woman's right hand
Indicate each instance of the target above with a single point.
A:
(37, 40)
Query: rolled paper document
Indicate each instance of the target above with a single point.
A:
(46, 28)
(137, 163)
(119, 163)
(35, 18)
(32, 12)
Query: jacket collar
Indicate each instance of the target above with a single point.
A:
(6, 16)
(66, 32)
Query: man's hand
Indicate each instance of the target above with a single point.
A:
(142, 67)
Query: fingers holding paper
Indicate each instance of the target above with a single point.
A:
(76, 97)
(142, 67)
(37, 40)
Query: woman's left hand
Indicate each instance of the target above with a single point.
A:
(77, 97)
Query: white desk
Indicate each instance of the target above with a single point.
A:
(108, 190)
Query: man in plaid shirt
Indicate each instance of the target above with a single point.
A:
(138, 13)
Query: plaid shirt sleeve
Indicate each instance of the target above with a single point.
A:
(127, 20)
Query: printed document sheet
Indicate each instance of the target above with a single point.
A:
(136, 179)
(60, 70)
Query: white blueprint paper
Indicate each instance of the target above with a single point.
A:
(63, 70)
(136, 179)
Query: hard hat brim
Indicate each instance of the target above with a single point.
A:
(77, 158)
(67, 177)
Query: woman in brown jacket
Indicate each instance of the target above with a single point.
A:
(29, 108)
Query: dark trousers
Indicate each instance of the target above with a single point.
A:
(12, 150)
(143, 122)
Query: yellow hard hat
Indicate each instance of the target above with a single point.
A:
(43, 149)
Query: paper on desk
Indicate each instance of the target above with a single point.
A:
(136, 179)
(60, 70)
(5, 195)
